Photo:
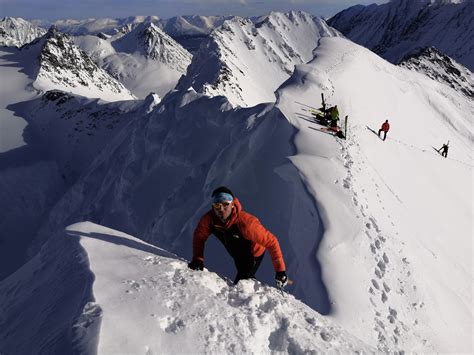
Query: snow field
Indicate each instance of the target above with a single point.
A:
(180, 310)
(391, 208)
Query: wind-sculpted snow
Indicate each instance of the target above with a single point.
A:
(41, 301)
(17, 32)
(396, 250)
(73, 129)
(176, 310)
(399, 27)
(247, 61)
(166, 165)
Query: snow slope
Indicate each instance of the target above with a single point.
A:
(440, 67)
(93, 26)
(376, 235)
(398, 27)
(179, 310)
(247, 61)
(145, 59)
(57, 63)
(395, 210)
(17, 32)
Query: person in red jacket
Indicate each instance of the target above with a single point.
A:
(384, 129)
(242, 235)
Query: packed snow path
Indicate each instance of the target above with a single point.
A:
(147, 300)
(396, 238)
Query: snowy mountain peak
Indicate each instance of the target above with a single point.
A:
(442, 68)
(246, 61)
(18, 32)
(395, 29)
(63, 66)
(149, 40)
(192, 25)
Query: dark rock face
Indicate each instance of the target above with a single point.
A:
(442, 68)
(395, 29)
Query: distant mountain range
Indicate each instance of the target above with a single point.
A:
(246, 60)
(395, 29)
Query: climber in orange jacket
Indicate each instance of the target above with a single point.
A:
(242, 234)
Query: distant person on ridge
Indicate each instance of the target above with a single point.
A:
(242, 235)
(385, 128)
(334, 117)
(444, 150)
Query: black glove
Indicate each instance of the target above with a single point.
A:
(281, 279)
(196, 265)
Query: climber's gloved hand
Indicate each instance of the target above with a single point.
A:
(281, 279)
(196, 265)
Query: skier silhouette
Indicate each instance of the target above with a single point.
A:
(444, 150)
(385, 128)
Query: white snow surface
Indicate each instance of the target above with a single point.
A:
(376, 234)
(15, 31)
(405, 218)
(174, 26)
(92, 26)
(145, 60)
(63, 66)
(247, 61)
(175, 310)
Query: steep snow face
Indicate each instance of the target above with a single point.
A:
(247, 61)
(143, 58)
(395, 29)
(64, 66)
(152, 43)
(155, 290)
(396, 253)
(17, 32)
(73, 130)
(96, 281)
(442, 68)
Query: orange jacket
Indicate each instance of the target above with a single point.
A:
(249, 228)
(385, 126)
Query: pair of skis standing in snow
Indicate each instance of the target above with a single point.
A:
(329, 117)
(243, 236)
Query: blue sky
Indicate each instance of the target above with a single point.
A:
(78, 9)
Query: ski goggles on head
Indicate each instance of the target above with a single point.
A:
(222, 199)
(224, 204)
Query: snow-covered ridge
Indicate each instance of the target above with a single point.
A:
(94, 26)
(247, 61)
(63, 66)
(110, 280)
(17, 32)
(395, 29)
(442, 68)
(142, 57)
(73, 130)
(192, 25)
(174, 26)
